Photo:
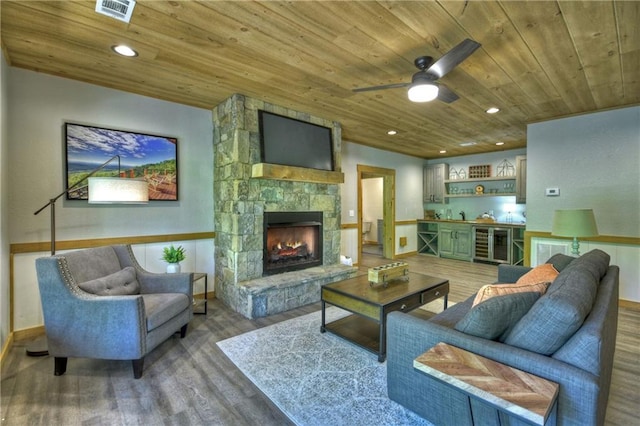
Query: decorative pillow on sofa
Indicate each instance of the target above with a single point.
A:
(560, 313)
(544, 273)
(486, 292)
(495, 318)
(121, 283)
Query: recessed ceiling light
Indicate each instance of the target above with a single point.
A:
(123, 50)
(492, 110)
(468, 143)
(499, 143)
(443, 151)
(392, 132)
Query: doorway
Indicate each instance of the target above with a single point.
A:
(387, 232)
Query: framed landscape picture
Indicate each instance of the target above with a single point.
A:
(152, 157)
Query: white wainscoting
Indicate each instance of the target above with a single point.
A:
(27, 309)
(627, 257)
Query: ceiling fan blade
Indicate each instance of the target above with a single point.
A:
(386, 86)
(446, 95)
(453, 58)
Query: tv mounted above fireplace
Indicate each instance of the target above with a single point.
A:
(290, 142)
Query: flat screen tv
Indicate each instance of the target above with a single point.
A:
(290, 142)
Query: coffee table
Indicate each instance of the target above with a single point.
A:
(371, 304)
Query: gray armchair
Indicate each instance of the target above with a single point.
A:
(99, 303)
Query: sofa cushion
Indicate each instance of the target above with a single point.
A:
(120, 283)
(486, 292)
(556, 316)
(544, 273)
(494, 318)
(560, 261)
(161, 307)
(596, 262)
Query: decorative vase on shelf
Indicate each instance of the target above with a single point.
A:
(173, 268)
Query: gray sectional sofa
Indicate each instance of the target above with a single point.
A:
(567, 336)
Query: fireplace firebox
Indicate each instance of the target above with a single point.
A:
(292, 241)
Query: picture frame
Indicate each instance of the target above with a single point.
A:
(142, 155)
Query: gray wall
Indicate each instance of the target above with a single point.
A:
(40, 104)
(408, 179)
(595, 161)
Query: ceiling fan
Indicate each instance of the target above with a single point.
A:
(423, 86)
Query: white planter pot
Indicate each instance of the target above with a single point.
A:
(173, 268)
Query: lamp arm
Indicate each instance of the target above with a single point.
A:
(52, 202)
(93, 172)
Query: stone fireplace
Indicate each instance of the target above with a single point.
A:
(245, 196)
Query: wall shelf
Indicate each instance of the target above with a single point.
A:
(495, 194)
(475, 180)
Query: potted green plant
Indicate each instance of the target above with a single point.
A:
(173, 256)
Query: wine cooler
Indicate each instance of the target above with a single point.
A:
(491, 244)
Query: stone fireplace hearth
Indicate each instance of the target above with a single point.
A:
(241, 202)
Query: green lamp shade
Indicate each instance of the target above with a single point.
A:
(574, 223)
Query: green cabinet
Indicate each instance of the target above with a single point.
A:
(517, 246)
(434, 176)
(428, 238)
(454, 241)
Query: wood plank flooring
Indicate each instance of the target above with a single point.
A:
(191, 382)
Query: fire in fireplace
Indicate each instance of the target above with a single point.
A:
(292, 241)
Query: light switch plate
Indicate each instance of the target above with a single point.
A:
(552, 192)
(352, 213)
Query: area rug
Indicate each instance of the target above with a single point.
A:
(317, 378)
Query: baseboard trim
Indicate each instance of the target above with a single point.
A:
(28, 333)
(629, 304)
(407, 254)
(5, 349)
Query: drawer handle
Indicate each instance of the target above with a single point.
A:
(437, 293)
(403, 307)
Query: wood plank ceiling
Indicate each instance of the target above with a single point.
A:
(538, 60)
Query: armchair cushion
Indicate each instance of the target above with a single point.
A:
(161, 307)
(121, 283)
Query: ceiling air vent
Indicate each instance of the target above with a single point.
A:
(119, 9)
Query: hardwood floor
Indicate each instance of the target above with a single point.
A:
(190, 381)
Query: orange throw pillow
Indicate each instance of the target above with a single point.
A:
(544, 273)
(492, 290)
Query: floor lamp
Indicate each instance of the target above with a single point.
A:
(575, 224)
(102, 190)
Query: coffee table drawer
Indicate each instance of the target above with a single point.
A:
(405, 305)
(434, 293)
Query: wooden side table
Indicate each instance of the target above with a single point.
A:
(197, 276)
(510, 391)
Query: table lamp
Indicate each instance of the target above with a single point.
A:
(575, 224)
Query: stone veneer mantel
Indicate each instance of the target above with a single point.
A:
(298, 174)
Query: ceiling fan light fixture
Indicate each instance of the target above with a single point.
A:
(423, 92)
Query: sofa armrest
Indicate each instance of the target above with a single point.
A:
(511, 273)
(413, 336)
